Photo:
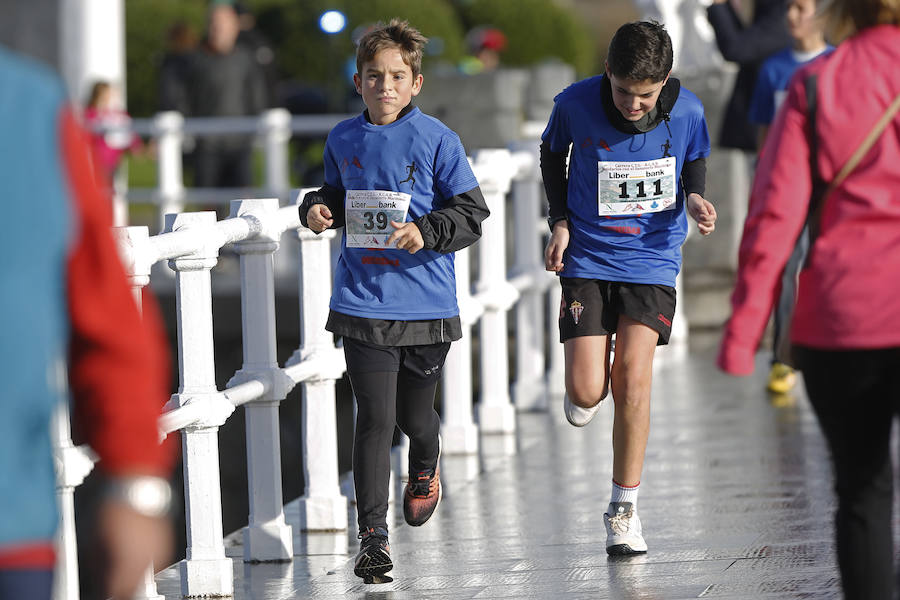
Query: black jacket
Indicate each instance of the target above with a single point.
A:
(749, 46)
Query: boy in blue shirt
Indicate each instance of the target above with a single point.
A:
(400, 184)
(807, 30)
(637, 144)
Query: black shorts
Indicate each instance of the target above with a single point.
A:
(423, 364)
(593, 306)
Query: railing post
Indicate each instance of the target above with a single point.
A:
(322, 506)
(73, 464)
(133, 246)
(168, 128)
(205, 571)
(275, 126)
(267, 537)
(528, 389)
(496, 414)
(459, 434)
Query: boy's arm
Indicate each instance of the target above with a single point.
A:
(330, 196)
(455, 226)
(693, 177)
(556, 185)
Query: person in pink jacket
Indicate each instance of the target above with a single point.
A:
(846, 326)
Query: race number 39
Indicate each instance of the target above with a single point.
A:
(631, 188)
(369, 214)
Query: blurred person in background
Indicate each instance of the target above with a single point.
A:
(485, 44)
(807, 30)
(846, 325)
(224, 80)
(66, 307)
(181, 42)
(260, 48)
(748, 46)
(109, 130)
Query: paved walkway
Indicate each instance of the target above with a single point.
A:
(736, 503)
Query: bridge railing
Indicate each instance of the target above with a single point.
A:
(509, 277)
(271, 131)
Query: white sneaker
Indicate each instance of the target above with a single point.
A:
(623, 530)
(577, 416)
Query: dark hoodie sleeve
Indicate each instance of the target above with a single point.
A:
(556, 184)
(455, 226)
(331, 197)
(693, 177)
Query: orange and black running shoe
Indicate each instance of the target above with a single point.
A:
(374, 558)
(423, 494)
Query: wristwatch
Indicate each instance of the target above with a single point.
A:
(147, 495)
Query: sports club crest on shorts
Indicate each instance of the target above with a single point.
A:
(576, 308)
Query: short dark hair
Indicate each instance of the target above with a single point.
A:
(396, 34)
(640, 50)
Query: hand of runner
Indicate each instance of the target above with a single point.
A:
(702, 211)
(559, 241)
(406, 236)
(319, 218)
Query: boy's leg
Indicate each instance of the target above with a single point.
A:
(586, 383)
(420, 372)
(417, 418)
(782, 376)
(375, 418)
(631, 380)
(373, 376)
(586, 319)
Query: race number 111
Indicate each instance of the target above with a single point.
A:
(657, 189)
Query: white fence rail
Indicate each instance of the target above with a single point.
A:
(190, 243)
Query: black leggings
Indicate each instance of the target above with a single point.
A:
(390, 392)
(856, 396)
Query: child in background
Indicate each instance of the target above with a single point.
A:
(108, 126)
(400, 184)
(618, 217)
(808, 33)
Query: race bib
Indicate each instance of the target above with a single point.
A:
(369, 214)
(632, 188)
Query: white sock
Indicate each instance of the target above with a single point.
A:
(623, 493)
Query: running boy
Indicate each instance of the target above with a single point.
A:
(637, 167)
(400, 184)
(807, 31)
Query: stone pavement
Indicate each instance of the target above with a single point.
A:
(736, 502)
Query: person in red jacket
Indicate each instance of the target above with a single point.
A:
(846, 326)
(65, 302)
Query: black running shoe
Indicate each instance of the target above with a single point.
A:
(374, 558)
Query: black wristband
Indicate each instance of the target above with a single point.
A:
(551, 221)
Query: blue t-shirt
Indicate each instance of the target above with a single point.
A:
(416, 155)
(625, 201)
(772, 81)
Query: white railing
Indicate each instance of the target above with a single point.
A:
(272, 130)
(190, 244)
